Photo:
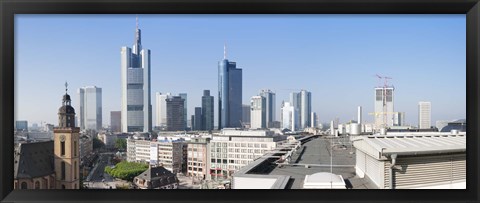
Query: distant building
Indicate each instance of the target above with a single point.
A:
(108, 139)
(170, 154)
(175, 113)
(384, 103)
(85, 149)
(116, 121)
(90, 102)
(289, 116)
(229, 94)
(270, 107)
(258, 115)
(246, 113)
(302, 103)
(207, 110)
(136, 103)
(424, 115)
(184, 97)
(161, 109)
(458, 125)
(313, 120)
(156, 178)
(21, 125)
(198, 119)
(399, 119)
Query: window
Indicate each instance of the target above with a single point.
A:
(75, 170)
(74, 148)
(62, 171)
(62, 148)
(23, 185)
(264, 145)
(37, 185)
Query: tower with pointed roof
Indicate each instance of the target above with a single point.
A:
(136, 106)
(66, 146)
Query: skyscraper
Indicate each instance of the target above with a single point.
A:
(229, 94)
(302, 104)
(116, 121)
(270, 106)
(424, 115)
(90, 116)
(175, 120)
(384, 115)
(21, 125)
(184, 97)
(246, 113)
(289, 116)
(258, 115)
(135, 70)
(198, 119)
(161, 109)
(207, 110)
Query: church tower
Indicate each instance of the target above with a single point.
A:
(66, 147)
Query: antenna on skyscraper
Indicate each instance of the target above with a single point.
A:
(136, 21)
(225, 51)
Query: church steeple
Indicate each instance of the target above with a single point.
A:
(66, 113)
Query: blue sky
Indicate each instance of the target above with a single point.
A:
(333, 56)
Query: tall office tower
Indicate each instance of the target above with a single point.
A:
(198, 119)
(192, 121)
(136, 102)
(384, 113)
(66, 147)
(116, 121)
(258, 114)
(21, 126)
(295, 103)
(302, 102)
(229, 93)
(270, 111)
(207, 110)
(359, 114)
(288, 116)
(175, 120)
(313, 119)
(184, 97)
(246, 113)
(90, 108)
(424, 115)
(161, 109)
(399, 118)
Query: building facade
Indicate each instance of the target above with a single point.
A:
(175, 113)
(90, 116)
(246, 113)
(258, 114)
(270, 107)
(229, 94)
(289, 116)
(424, 115)
(161, 109)
(198, 159)
(185, 118)
(135, 76)
(198, 123)
(207, 110)
(21, 126)
(116, 121)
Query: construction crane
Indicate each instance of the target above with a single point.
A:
(384, 98)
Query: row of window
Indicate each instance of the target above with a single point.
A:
(224, 144)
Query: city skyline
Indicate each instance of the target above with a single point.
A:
(332, 79)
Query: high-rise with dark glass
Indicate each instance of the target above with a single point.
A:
(207, 110)
(136, 105)
(270, 106)
(229, 94)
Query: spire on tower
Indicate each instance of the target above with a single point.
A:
(136, 19)
(66, 87)
(225, 51)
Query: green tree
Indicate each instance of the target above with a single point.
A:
(121, 144)
(126, 170)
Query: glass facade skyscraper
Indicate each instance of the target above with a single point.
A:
(90, 116)
(207, 110)
(136, 104)
(229, 94)
(302, 105)
(270, 106)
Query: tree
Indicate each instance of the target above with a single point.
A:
(97, 143)
(126, 170)
(121, 144)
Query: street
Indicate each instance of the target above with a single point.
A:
(98, 179)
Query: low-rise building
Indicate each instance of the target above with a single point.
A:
(156, 178)
(198, 159)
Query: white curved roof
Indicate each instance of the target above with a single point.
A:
(324, 177)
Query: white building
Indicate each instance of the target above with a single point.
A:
(136, 104)
(424, 115)
(384, 102)
(258, 112)
(289, 116)
(90, 115)
(412, 160)
(161, 109)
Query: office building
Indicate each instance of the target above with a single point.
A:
(258, 106)
(161, 109)
(246, 113)
(399, 119)
(116, 121)
(136, 87)
(207, 110)
(229, 94)
(175, 120)
(313, 120)
(21, 126)
(198, 123)
(185, 118)
(90, 116)
(424, 115)
(384, 102)
(289, 116)
(302, 103)
(270, 106)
